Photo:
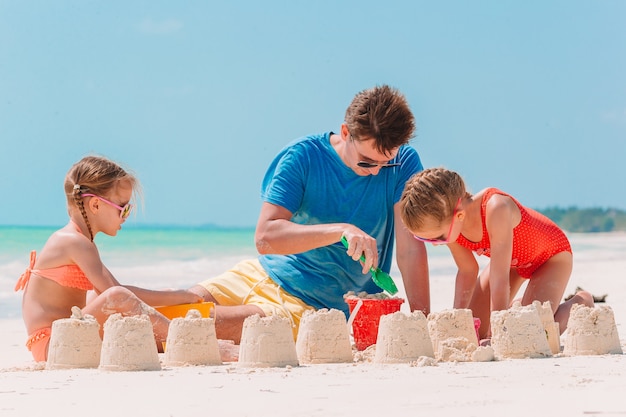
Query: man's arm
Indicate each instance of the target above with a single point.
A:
(277, 234)
(412, 260)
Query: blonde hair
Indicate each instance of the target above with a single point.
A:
(431, 194)
(94, 175)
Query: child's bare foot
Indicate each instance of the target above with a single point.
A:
(229, 351)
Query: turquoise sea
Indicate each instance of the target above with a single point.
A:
(178, 257)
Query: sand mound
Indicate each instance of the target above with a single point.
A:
(323, 337)
(551, 328)
(518, 333)
(74, 342)
(403, 338)
(591, 331)
(455, 349)
(129, 344)
(267, 342)
(453, 334)
(192, 341)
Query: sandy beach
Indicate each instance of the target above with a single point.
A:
(558, 386)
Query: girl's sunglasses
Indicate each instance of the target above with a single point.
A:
(124, 211)
(447, 238)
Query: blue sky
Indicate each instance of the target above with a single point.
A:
(196, 97)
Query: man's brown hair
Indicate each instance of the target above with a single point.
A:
(383, 114)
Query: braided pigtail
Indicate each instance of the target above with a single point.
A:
(78, 199)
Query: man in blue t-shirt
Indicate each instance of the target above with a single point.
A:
(318, 189)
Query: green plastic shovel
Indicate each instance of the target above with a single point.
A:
(380, 278)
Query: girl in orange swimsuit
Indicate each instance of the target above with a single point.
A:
(98, 195)
(521, 243)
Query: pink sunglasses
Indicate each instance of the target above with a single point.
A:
(124, 211)
(447, 239)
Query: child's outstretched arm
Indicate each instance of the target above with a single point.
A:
(466, 276)
(502, 215)
(165, 297)
(103, 279)
(159, 297)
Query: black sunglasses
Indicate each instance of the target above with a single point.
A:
(364, 164)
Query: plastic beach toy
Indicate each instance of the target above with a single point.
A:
(365, 314)
(180, 310)
(380, 278)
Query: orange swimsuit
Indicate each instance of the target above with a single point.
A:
(66, 275)
(535, 239)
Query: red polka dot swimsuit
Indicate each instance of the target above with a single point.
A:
(535, 239)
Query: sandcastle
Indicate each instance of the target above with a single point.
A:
(129, 344)
(75, 342)
(323, 337)
(518, 333)
(553, 332)
(453, 335)
(267, 342)
(403, 338)
(192, 341)
(591, 331)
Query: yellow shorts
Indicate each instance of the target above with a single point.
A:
(247, 283)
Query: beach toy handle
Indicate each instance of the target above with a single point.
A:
(380, 278)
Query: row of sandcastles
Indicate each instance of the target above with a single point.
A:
(324, 337)
(128, 343)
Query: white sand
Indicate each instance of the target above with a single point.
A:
(586, 385)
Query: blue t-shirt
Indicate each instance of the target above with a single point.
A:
(309, 179)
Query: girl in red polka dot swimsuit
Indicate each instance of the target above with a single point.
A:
(521, 243)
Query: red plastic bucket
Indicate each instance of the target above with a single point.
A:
(365, 322)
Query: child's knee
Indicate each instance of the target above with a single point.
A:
(117, 293)
(583, 297)
(121, 300)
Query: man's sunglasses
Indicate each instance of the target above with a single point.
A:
(364, 164)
